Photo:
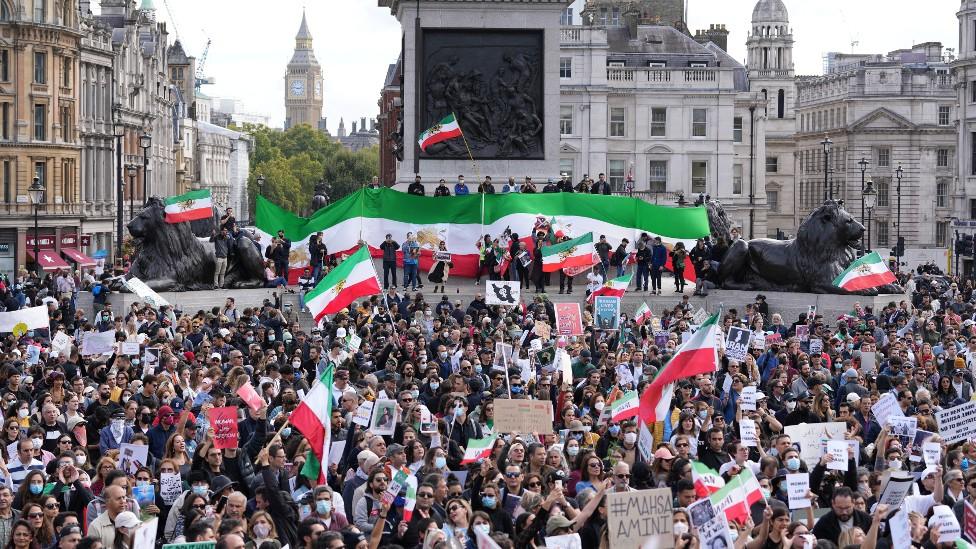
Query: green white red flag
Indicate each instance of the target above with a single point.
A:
(447, 128)
(699, 355)
(737, 496)
(353, 278)
(189, 207)
(577, 252)
(707, 481)
(614, 287)
(643, 314)
(870, 271)
(313, 417)
(478, 449)
(625, 406)
(411, 498)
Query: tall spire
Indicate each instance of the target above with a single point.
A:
(303, 33)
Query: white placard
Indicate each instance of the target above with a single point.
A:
(868, 361)
(335, 451)
(568, 541)
(700, 316)
(886, 407)
(901, 532)
(747, 431)
(61, 342)
(145, 293)
(500, 292)
(726, 384)
(145, 533)
(363, 413)
(932, 453)
(749, 398)
(797, 486)
(838, 450)
(130, 348)
(957, 423)
(97, 343)
(758, 341)
(945, 519)
(170, 487)
(812, 437)
(894, 491)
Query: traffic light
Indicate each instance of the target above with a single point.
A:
(900, 247)
(965, 245)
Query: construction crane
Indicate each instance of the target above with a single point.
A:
(200, 78)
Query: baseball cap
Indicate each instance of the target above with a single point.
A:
(853, 397)
(127, 519)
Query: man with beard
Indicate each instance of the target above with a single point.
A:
(842, 516)
(802, 413)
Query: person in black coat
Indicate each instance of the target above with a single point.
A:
(601, 186)
(416, 188)
(841, 510)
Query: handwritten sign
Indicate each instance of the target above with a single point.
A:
(363, 413)
(170, 487)
(957, 423)
(130, 348)
(886, 407)
(523, 416)
(700, 316)
(797, 486)
(838, 451)
(224, 423)
(639, 519)
(569, 321)
(812, 437)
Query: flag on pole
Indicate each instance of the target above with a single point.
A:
(20, 321)
(870, 271)
(353, 278)
(313, 417)
(478, 449)
(626, 406)
(707, 481)
(447, 128)
(698, 355)
(643, 314)
(189, 207)
(577, 252)
(613, 287)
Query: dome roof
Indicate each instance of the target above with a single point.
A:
(770, 11)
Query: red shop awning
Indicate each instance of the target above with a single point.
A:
(75, 255)
(49, 260)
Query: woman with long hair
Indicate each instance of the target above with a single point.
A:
(30, 490)
(457, 521)
(43, 528)
(262, 528)
(175, 450)
(22, 536)
(105, 465)
(590, 472)
(687, 427)
(946, 393)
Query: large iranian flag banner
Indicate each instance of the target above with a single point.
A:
(463, 221)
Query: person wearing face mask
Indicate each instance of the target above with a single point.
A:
(463, 428)
(323, 509)
(488, 502)
(803, 412)
(160, 432)
(115, 434)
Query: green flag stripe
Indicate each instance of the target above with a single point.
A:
(557, 248)
(339, 273)
(192, 195)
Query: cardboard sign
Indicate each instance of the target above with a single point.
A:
(500, 292)
(749, 398)
(607, 312)
(250, 396)
(737, 344)
(811, 438)
(700, 316)
(747, 432)
(170, 487)
(838, 450)
(886, 407)
(363, 413)
(652, 529)
(797, 486)
(132, 457)
(523, 416)
(957, 423)
(542, 329)
(569, 320)
(384, 417)
(224, 424)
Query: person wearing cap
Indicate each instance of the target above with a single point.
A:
(803, 412)
(69, 536)
(115, 434)
(367, 460)
(159, 433)
(850, 387)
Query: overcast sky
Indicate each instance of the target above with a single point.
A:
(355, 41)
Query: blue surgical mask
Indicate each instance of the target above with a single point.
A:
(142, 483)
(323, 507)
(614, 430)
(458, 411)
(793, 464)
(271, 337)
(36, 488)
(765, 493)
(434, 385)
(286, 432)
(440, 462)
(135, 361)
(483, 528)
(249, 339)
(477, 368)
(415, 393)
(200, 490)
(517, 390)
(703, 414)
(488, 501)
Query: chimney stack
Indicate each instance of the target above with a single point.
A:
(362, 124)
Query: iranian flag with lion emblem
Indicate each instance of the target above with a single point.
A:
(189, 207)
(353, 278)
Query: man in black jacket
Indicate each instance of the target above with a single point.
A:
(713, 454)
(601, 186)
(416, 188)
(842, 516)
(280, 254)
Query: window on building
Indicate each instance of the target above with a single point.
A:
(40, 11)
(40, 172)
(618, 122)
(66, 69)
(972, 208)
(66, 124)
(604, 15)
(615, 174)
(5, 110)
(566, 17)
(881, 230)
(4, 11)
(566, 167)
(737, 129)
(615, 17)
(772, 164)
(943, 115)
(565, 120)
(699, 176)
(883, 184)
(780, 103)
(699, 122)
(40, 122)
(697, 65)
(657, 64)
(942, 158)
(565, 67)
(972, 153)
(972, 91)
(941, 193)
(659, 121)
(5, 65)
(884, 157)
(737, 179)
(941, 234)
(7, 182)
(658, 176)
(40, 67)
(772, 200)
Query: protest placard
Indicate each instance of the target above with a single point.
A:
(335, 451)
(886, 407)
(749, 397)
(607, 312)
(224, 424)
(811, 438)
(868, 361)
(193, 545)
(901, 531)
(97, 343)
(700, 316)
(568, 541)
(500, 292)
(969, 520)
(363, 413)
(932, 453)
(150, 359)
(569, 320)
(803, 333)
(715, 533)
(957, 423)
(661, 338)
(758, 341)
(945, 519)
(353, 342)
(641, 518)
(700, 512)
(523, 416)
(132, 457)
(250, 396)
(145, 534)
(170, 487)
(33, 354)
(645, 441)
(656, 324)
(893, 492)
(747, 431)
(542, 330)
(838, 451)
(396, 483)
(503, 355)
(816, 346)
(903, 428)
(384, 417)
(797, 486)
(737, 344)
(144, 494)
(61, 343)
(130, 348)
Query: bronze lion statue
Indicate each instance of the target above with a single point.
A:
(169, 257)
(825, 245)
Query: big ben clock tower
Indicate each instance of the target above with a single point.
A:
(303, 83)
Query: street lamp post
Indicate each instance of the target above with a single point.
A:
(133, 170)
(869, 197)
(863, 164)
(119, 130)
(36, 192)
(898, 174)
(145, 141)
(826, 148)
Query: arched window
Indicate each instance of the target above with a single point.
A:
(4, 11)
(780, 103)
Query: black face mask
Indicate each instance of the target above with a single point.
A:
(146, 418)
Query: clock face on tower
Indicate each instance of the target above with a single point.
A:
(318, 89)
(298, 88)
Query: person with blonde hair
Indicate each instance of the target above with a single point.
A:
(262, 528)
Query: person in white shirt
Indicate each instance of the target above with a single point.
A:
(594, 281)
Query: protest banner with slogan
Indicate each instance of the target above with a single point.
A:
(957, 423)
(932, 453)
(811, 438)
(641, 518)
(98, 343)
(145, 293)
(747, 431)
(132, 457)
(130, 348)
(224, 423)
(500, 292)
(170, 487)
(607, 312)
(893, 491)
(192, 545)
(886, 407)
(737, 344)
(945, 519)
(749, 398)
(523, 416)
(569, 321)
(838, 451)
(363, 413)
(250, 396)
(797, 486)
(758, 341)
